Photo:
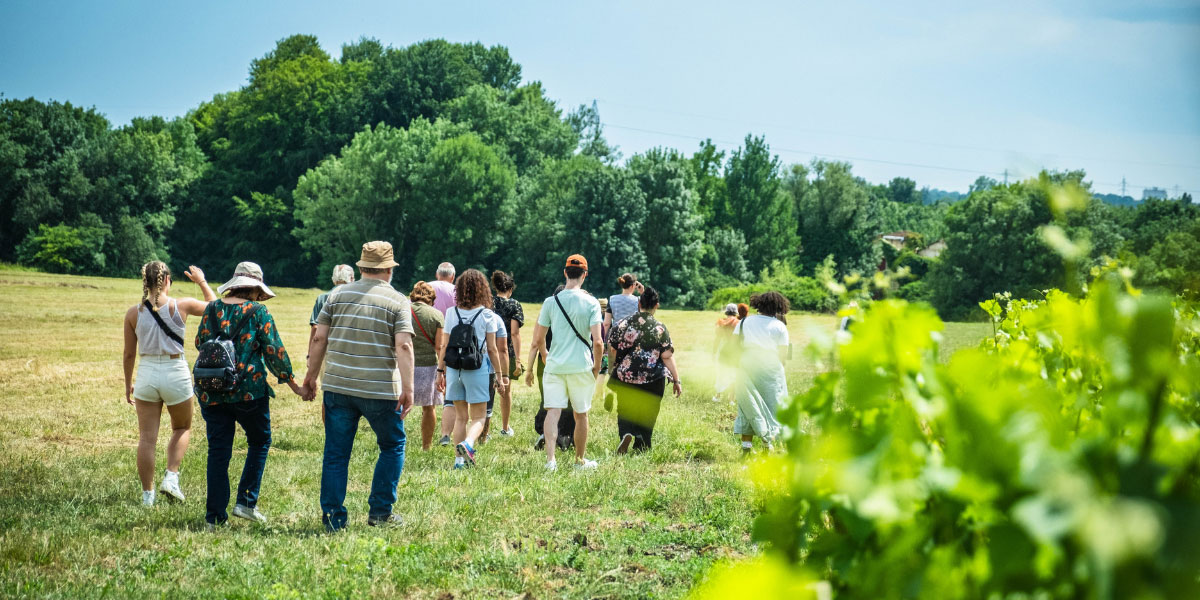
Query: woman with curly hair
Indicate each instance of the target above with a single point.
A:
(468, 388)
(762, 382)
(154, 331)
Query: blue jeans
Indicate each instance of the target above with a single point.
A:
(220, 424)
(341, 423)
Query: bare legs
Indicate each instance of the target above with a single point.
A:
(551, 433)
(428, 418)
(505, 408)
(149, 414)
(468, 423)
(449, 415)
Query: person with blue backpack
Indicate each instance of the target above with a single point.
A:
(468, 349)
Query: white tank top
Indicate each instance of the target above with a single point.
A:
(151, 338)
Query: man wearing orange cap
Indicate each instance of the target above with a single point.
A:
(572, 365)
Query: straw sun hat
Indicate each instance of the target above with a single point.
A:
(247, 274)
(377, 255)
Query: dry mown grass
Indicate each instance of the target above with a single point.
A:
(70, 525)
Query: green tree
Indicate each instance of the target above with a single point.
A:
(707, 163)
(523, 121)
(903, 190)
(673, 236)
(757, 205)
(838, 217)
(366, 193)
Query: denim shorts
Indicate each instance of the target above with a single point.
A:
(468, 386)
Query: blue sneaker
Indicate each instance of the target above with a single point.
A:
(458, 466)
(466, 452)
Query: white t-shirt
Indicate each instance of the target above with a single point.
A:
(488, 322)
(568, 354)
(764, 336)
(501, 335)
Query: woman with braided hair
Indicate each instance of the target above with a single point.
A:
(154, 332)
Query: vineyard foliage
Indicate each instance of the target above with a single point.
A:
(1059, 459)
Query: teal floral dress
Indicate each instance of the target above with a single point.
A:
(258, 349)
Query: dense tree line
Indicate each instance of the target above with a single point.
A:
(445, 150)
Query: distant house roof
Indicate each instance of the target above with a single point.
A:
(933, 250)
(897, 238)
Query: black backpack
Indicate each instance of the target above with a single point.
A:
(462, 352)
(216, 365)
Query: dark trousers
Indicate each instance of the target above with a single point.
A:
(637, 409)
(566, 419)
(220, 421)
(342, 413)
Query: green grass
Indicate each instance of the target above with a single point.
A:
(71, 526)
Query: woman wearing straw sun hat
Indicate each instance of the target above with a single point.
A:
(239, 316)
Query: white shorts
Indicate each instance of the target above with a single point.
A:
(162, 379)
(575, 388)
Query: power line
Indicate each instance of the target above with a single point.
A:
(899, 140)
(1005, 173)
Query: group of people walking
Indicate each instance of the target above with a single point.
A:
(454, 341)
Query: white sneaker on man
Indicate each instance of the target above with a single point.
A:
(552, 465)
(250, 514)
(147, 497)
(586, 465)
(170, 486)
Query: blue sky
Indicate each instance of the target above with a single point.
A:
(937, 91)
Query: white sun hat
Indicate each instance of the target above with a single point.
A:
(247, 274)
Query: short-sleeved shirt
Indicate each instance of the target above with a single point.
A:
(622, 307)
(257, 345)
(485, 323)
(570, 355)
(640, 342)
(319, 304)
(509, 310)
(764, 335)
(364, 318)
(425, 331)
(446, 296)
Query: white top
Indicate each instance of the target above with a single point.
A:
(764, 336)
(488, 322)
(151, 338)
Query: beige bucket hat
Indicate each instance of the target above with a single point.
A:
(377, 255)
(247, 274)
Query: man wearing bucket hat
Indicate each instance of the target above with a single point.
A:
(240, 317)
(573, 362)
(364, 338)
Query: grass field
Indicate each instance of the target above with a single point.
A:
(71, 525)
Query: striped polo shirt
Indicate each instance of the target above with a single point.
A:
(364, 318)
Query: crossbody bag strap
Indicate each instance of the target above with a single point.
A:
(568, 318)
(157, 319)
(420, 326)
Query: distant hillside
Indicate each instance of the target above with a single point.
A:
(1117, 199)
(933, 196)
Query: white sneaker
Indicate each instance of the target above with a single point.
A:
(507, 432)
(586, 465)
(250, 514)
(147, 497)
(552, 465)
(170, 486)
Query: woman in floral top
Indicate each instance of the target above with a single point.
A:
(258, 349)
(642, 357)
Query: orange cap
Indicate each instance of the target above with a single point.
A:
(577, 260)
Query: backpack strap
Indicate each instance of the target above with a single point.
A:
(568, 318)
(157, 319)
(420, 326)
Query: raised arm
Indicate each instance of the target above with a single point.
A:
(192, 306)
(129, 354)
